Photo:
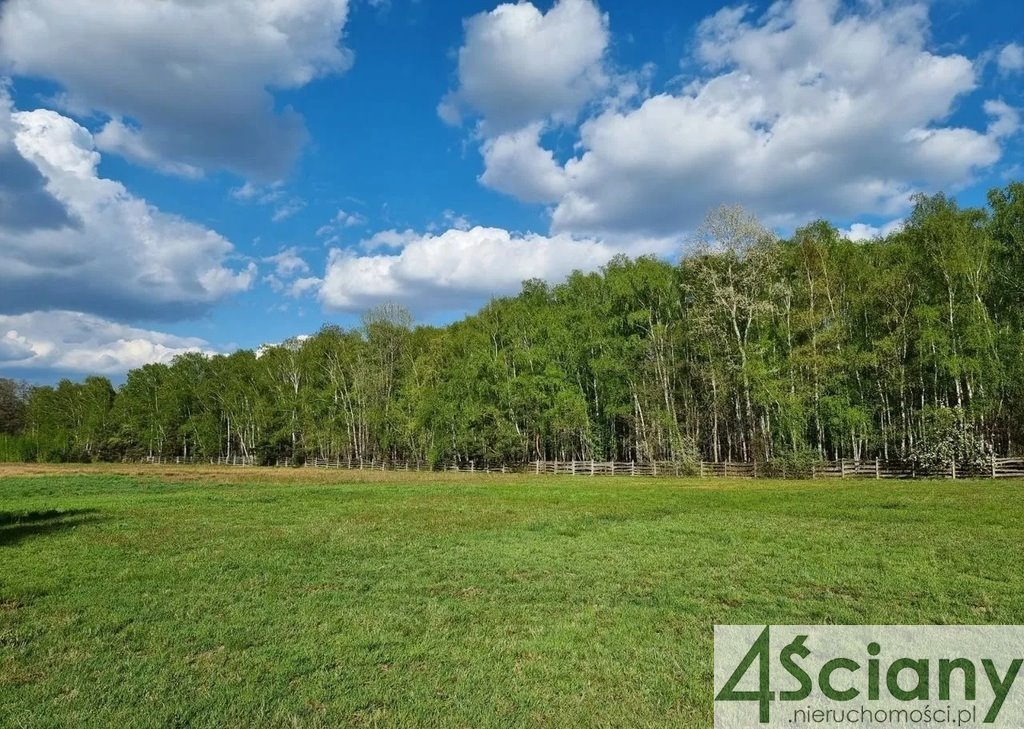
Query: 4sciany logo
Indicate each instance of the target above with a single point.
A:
(868, 676)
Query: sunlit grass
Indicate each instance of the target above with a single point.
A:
(216, 597)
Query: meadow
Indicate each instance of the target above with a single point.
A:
(203, 597)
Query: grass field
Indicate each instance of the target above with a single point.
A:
(203, 597)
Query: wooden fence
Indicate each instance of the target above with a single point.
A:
(841, 469)
(875, 469)
(185, 461)
(357, 464)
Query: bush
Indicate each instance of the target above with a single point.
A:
(792, 464)
(948, 437)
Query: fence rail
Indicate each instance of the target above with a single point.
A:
(863, 469)
(191, 460)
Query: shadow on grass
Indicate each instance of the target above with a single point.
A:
(18, 526)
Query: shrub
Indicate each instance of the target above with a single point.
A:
(947, 437)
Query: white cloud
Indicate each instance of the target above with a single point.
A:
(518, 65)
(456, 220)
(14, 348)
(342, 219)
(287, 209)
(118, 138)
(812, 110)
(1011, 59)
(75, 342)
(288, 263)
(196, 78)
(859, 232)
(1005, 119)
(121, 257)
(389, 240)
(285, 204)
(302, 286)
(263, 194)
(516, 164)
(454, 269)
(25, 203)
(349, 220)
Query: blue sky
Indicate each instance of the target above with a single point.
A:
(166, 193)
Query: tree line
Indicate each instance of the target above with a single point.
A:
(751, 347)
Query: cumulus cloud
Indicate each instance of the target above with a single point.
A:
(302, 286)
(290, 273)
(813, 109)
(120, 257)
(518, 65)
(118, 138)
(76, 342)
(859, 232)
(516, 164)
(389, 240)
(453, 269)
(1011, 59)
(196, 90)
(288, 263)
(14, 348)
(25, 203)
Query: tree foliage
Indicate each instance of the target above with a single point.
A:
(750, 347)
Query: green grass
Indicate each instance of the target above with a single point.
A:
(431, 601)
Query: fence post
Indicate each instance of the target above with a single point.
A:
(954, 468)
(878, 469)
(573, 471)
(842, 468)
(632, 468)
(993, 464)
(702, 469)
(755, 469)
(537, 467)
(591, 466)
(725, 469)
(655, 465)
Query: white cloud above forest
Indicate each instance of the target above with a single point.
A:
(859, 232)
(81, 343)
(456, 268)
(814, 109)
